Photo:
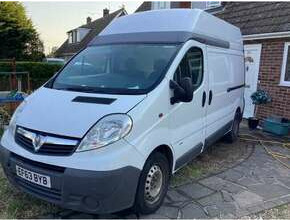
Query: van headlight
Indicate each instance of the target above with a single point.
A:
(13, 120)
(107, 130)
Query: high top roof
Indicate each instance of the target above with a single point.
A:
(171, 25)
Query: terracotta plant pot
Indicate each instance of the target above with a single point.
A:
(253, 123)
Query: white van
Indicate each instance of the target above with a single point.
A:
(150, 93)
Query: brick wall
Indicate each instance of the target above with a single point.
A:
(269, 77)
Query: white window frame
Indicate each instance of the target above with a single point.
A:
(156, 5)
(70, 37)
(78, 36)
(284, 64)
(210, 5)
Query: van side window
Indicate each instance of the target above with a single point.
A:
(191, 66)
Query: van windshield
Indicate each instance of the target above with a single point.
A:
(121, 69)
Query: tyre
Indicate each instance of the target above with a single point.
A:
(153, 184)
(232, 136)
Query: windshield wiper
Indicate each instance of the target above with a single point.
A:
(79, 89)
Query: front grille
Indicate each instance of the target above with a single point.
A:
(46, 148)
(49, 193)
(36, 164)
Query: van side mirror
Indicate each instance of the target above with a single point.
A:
(182, 92)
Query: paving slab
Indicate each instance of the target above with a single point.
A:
(193, 211)
(174, 196)
(245, 199)
(212, 211)
(270, 191)
(213, 182)
(211, 200)
(232, 175)
(194, 190)
(169, 212)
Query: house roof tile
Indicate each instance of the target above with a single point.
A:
(257, 17)
(95, 27)
(145, 6)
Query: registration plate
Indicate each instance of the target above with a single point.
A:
(33, 177)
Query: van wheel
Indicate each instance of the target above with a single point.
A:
(232, 136)
(153, 184)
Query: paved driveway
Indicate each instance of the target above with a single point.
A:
(260, 182)
(257, 184)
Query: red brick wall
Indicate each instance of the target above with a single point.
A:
(269, 77)
(185, 4)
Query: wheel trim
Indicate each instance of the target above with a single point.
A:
(153, 184)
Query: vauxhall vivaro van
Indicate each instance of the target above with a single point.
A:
(152, 91)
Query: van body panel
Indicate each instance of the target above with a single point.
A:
(201, 24)
(184, 123)
(187, 120)
(95, 160)
(225, 71)
(54, 111)
(151, 121)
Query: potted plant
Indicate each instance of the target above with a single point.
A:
(260, 97)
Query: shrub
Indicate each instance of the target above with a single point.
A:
(39, 72)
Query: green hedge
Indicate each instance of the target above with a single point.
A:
(39, 72)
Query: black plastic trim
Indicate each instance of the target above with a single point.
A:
(39, 165)
(93, 100)
(235, 87)
(203, 99)
(210, 140)
(188, 156)
(158, 37)
(210, 97)
(48, 134)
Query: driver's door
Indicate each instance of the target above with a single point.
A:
(187, 123)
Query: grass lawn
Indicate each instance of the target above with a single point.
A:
(280, 212)
(220, 157)
(15, 204)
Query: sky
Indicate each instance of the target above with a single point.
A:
(53, 19)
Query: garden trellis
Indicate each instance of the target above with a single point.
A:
(11, 90)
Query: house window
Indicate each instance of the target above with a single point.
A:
(78, 36)
(73, 37)
(160, 5)
(70, 37)
(285, 72)
(212, 4)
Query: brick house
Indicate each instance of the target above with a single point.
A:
(79, 37)
(266, 32)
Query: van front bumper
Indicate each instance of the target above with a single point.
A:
(96, 192)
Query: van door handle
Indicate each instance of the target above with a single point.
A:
(210, 97)
(203, 99)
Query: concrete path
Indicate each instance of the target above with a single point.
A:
(258, 183)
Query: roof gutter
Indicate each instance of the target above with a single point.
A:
(266, 36)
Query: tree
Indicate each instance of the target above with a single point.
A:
(52, 52)
(18, 38)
